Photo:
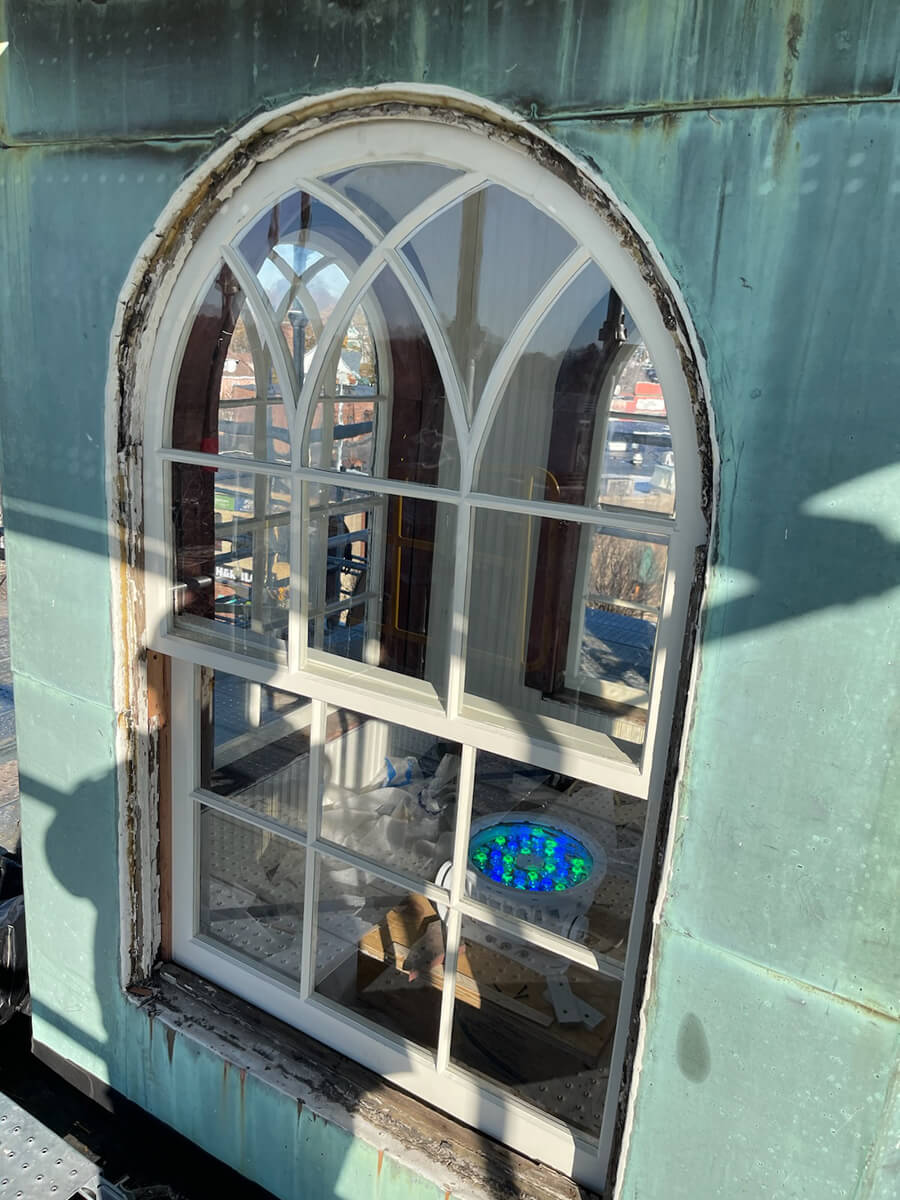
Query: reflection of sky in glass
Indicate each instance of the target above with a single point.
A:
(273, 283)
(272, 276)
(324, 285)
(386, 192)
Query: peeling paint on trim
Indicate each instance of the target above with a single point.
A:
(340, 1092)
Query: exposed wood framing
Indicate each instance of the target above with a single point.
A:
(159, 677)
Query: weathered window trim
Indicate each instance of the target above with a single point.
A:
(141, 733)
(464, 1163)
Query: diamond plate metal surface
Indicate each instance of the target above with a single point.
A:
(35, 1163)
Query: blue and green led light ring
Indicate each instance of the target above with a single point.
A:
(530, 857)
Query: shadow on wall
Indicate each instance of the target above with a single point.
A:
(155, 1161)
(214, 1116)
(808, 562)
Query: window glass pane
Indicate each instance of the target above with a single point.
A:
(540, 443)
(554, 851)
(563, 622)
(357, 368)
(484, 261)
(303, 254)
(251, 893)
(379, 951)
(408, 434)
(302, 286)
(254, 746)
(301, 221)
(638, 466)
(582, 419)
(310, 284)
(385, 192)
(252, 417)
(534, 1024)
(380, 574)
(389, 793)
(350, 413)
(343, 434)
(231, 557)
(228, 398)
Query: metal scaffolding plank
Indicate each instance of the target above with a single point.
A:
(35, 1163)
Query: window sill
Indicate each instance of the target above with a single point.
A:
(454, 1157)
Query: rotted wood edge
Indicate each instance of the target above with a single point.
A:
(466, 1164)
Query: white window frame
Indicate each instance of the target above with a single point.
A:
(457, 717)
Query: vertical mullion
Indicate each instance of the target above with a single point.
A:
(633, 957)
(313, 811)
(195, 719)
(457, 891)
(185, 826)
(320, 566)
(580, 590)
(459, 610)
(669, 637)
(326, 446)
(670, 633)
(298, 593)
(259, 559)
(375, 522)
(448, 994)
(261, 486)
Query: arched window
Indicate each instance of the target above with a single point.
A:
(422, 501)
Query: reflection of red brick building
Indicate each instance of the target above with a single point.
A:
(355, 372)
(239, 382)
(644, 397)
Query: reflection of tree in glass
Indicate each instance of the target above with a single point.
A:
(240, 343)
(623, 569)
(358, 351)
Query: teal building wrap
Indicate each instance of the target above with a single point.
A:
(758, 145)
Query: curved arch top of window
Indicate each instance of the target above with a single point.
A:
(489, 301)
(442, 397)
(381, 406)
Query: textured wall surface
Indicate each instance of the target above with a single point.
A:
(759, 146)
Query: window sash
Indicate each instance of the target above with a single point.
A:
(431, 1075)
(309, 668)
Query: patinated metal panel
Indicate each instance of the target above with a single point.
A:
(119, 69)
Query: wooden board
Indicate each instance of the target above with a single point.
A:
(485, 977)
